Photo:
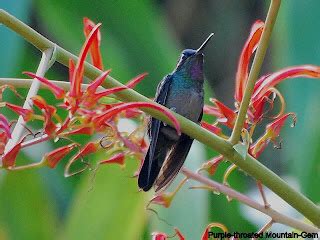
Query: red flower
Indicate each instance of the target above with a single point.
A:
(27, 114)
(95, 53)
(212, 165)
(261, 103)
(164, 199)
(117, 158)
(54, 157)
(9, 159)
(264, 94)
(4, 126)
(84, 106)
(159, 236)
(272, 132)
(244, 61)
(264, 87)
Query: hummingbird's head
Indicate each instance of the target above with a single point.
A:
(191, 61)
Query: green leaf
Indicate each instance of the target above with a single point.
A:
(134, 37)
(11, 44)
(26, 207)
(107, 206)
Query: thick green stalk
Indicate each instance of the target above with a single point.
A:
(249, 165)
(255, 70)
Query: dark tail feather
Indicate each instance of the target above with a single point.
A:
(148, 174)
(174, 162)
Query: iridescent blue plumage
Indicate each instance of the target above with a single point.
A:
(182, 92)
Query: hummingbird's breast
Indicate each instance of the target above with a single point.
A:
(186, 99)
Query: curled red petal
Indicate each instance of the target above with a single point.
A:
(229, 116)
(43, 105)
(117, 159)
(97, 82)
(256, 110)
(9, 159)
(5, 126)
(212, 165)
(109, 91)
(211, 128)
(25, 113)
(266, 82)
(3, 142)
(276, 126)
(159, 236)
(63, 126)
(48, 111)
(258, 147)
(95, 47)
(55, 156)
(132, 113)
(243, 65)
(57, 91)
(271, 133)
(88, 149)
(50, 128)
(99, 120)
(91, 100)
(132, 83)
(164, 199)
(212, 111)
(179, 234)
(75, 88)
(205, 234)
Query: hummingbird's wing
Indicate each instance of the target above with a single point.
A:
(174, 161)
(158, 147)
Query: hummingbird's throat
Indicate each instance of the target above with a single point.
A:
(196, 70)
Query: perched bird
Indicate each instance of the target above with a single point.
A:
(182, 92)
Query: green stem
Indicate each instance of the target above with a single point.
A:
(233, 194)
(249, 165)
(255, 70)
(28, 166)
(33, 90)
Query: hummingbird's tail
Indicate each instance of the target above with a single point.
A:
(153, 162)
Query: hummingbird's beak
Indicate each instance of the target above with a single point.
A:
(204, 44)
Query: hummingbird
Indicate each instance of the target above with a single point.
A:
(182, 92)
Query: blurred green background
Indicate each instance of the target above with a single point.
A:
(147, 36)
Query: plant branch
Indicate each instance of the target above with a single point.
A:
(275, 216)
(35, 85)
(24, 83)
(255, 70)
(250, 165)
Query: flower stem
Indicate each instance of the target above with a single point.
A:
(266, 227)
(249, 164)
(275, 216)
(255, 70)
(28, 166)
